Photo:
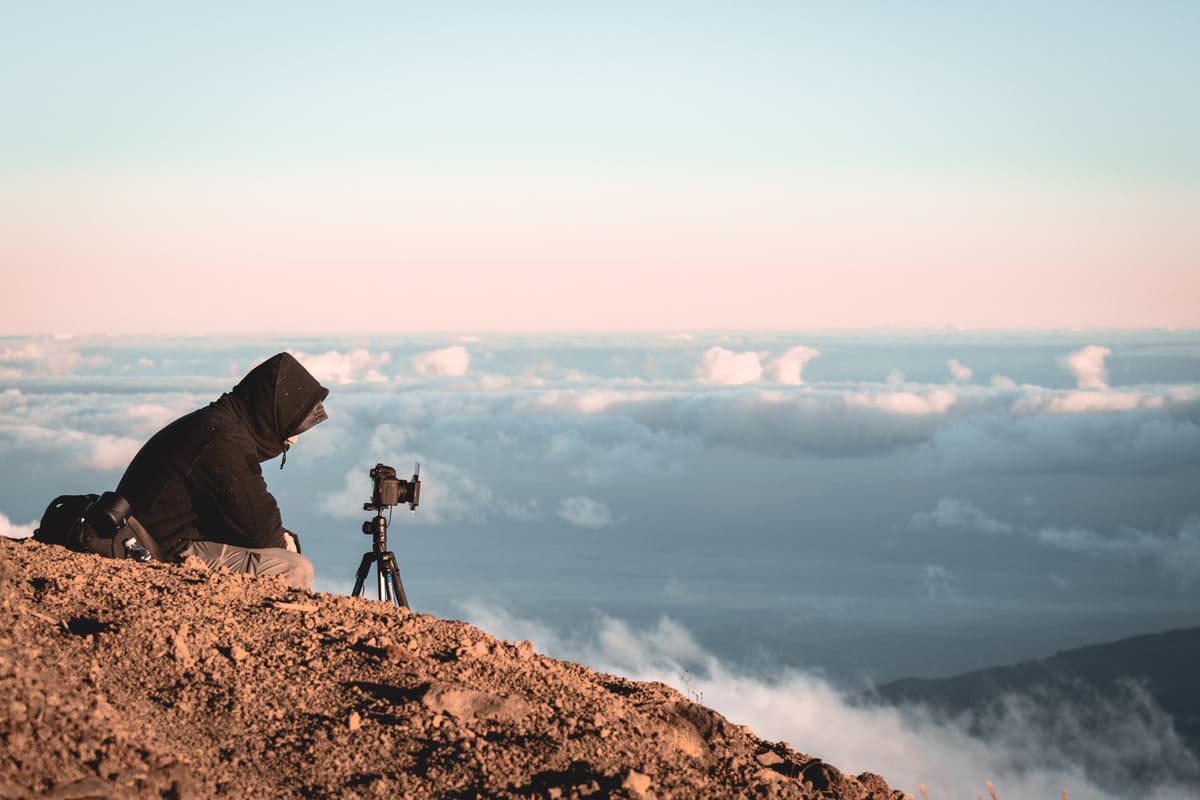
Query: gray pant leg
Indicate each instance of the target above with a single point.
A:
(295, 568)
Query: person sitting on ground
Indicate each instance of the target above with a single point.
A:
(197, 486)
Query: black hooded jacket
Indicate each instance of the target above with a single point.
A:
(199, 477)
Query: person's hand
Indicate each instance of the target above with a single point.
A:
(291, 541)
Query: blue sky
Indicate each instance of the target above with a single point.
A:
(1093, 87)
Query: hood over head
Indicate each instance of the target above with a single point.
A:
(277, 399)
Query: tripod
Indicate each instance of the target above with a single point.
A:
(391, 588)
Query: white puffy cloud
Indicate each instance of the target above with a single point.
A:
(584, 512)
(1044, 431)
(97, 451)
(1003, 382)
(10, 374)
(959, 371)
(1178, 551)
(1090, 402)
(729, 368)
(49, 356)
(337, 368)
(933, 401)
(451, 361)
(150, 417)
(11, 399)
(951, 512)
(111, 452)
(939, 582)
(12, 531)
(588, 402)
(1175, 551)
(1088, 367)
(789, 367)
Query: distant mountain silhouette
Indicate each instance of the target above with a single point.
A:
(1100, 687)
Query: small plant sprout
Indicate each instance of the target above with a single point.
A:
(696, 695)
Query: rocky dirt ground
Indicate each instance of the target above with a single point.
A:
(120, 679)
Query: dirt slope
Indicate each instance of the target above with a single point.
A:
(120, 679)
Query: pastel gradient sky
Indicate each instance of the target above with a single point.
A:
(387, 166)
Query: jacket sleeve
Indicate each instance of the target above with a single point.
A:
(232, 499)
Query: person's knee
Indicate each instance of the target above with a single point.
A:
(292, 567)
(301, 575)
(296, 569)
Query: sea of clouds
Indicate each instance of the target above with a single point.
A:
(775, 522)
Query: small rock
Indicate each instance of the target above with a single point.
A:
(769, 758)
(554, 793)
(294, 606)
(179, 646)
(238, 653)
(637, 783)
(194, 562)
(467, 703)
(355, 721)
(394, 652)
(172, 779)
(9, 791)
(89, 788)
(768, 776)
(524, 650)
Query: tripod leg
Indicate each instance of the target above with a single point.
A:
(388, 568)
(401, 597)
(364, 568)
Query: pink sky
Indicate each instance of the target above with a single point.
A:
(260, 251)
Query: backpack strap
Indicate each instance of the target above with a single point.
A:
(148, 542)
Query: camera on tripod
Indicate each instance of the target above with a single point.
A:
(389, 491)
(392, 491)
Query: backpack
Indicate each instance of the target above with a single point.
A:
(101, 524)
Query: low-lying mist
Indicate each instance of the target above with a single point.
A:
(1029, 746)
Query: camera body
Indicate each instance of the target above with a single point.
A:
(391, 491)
